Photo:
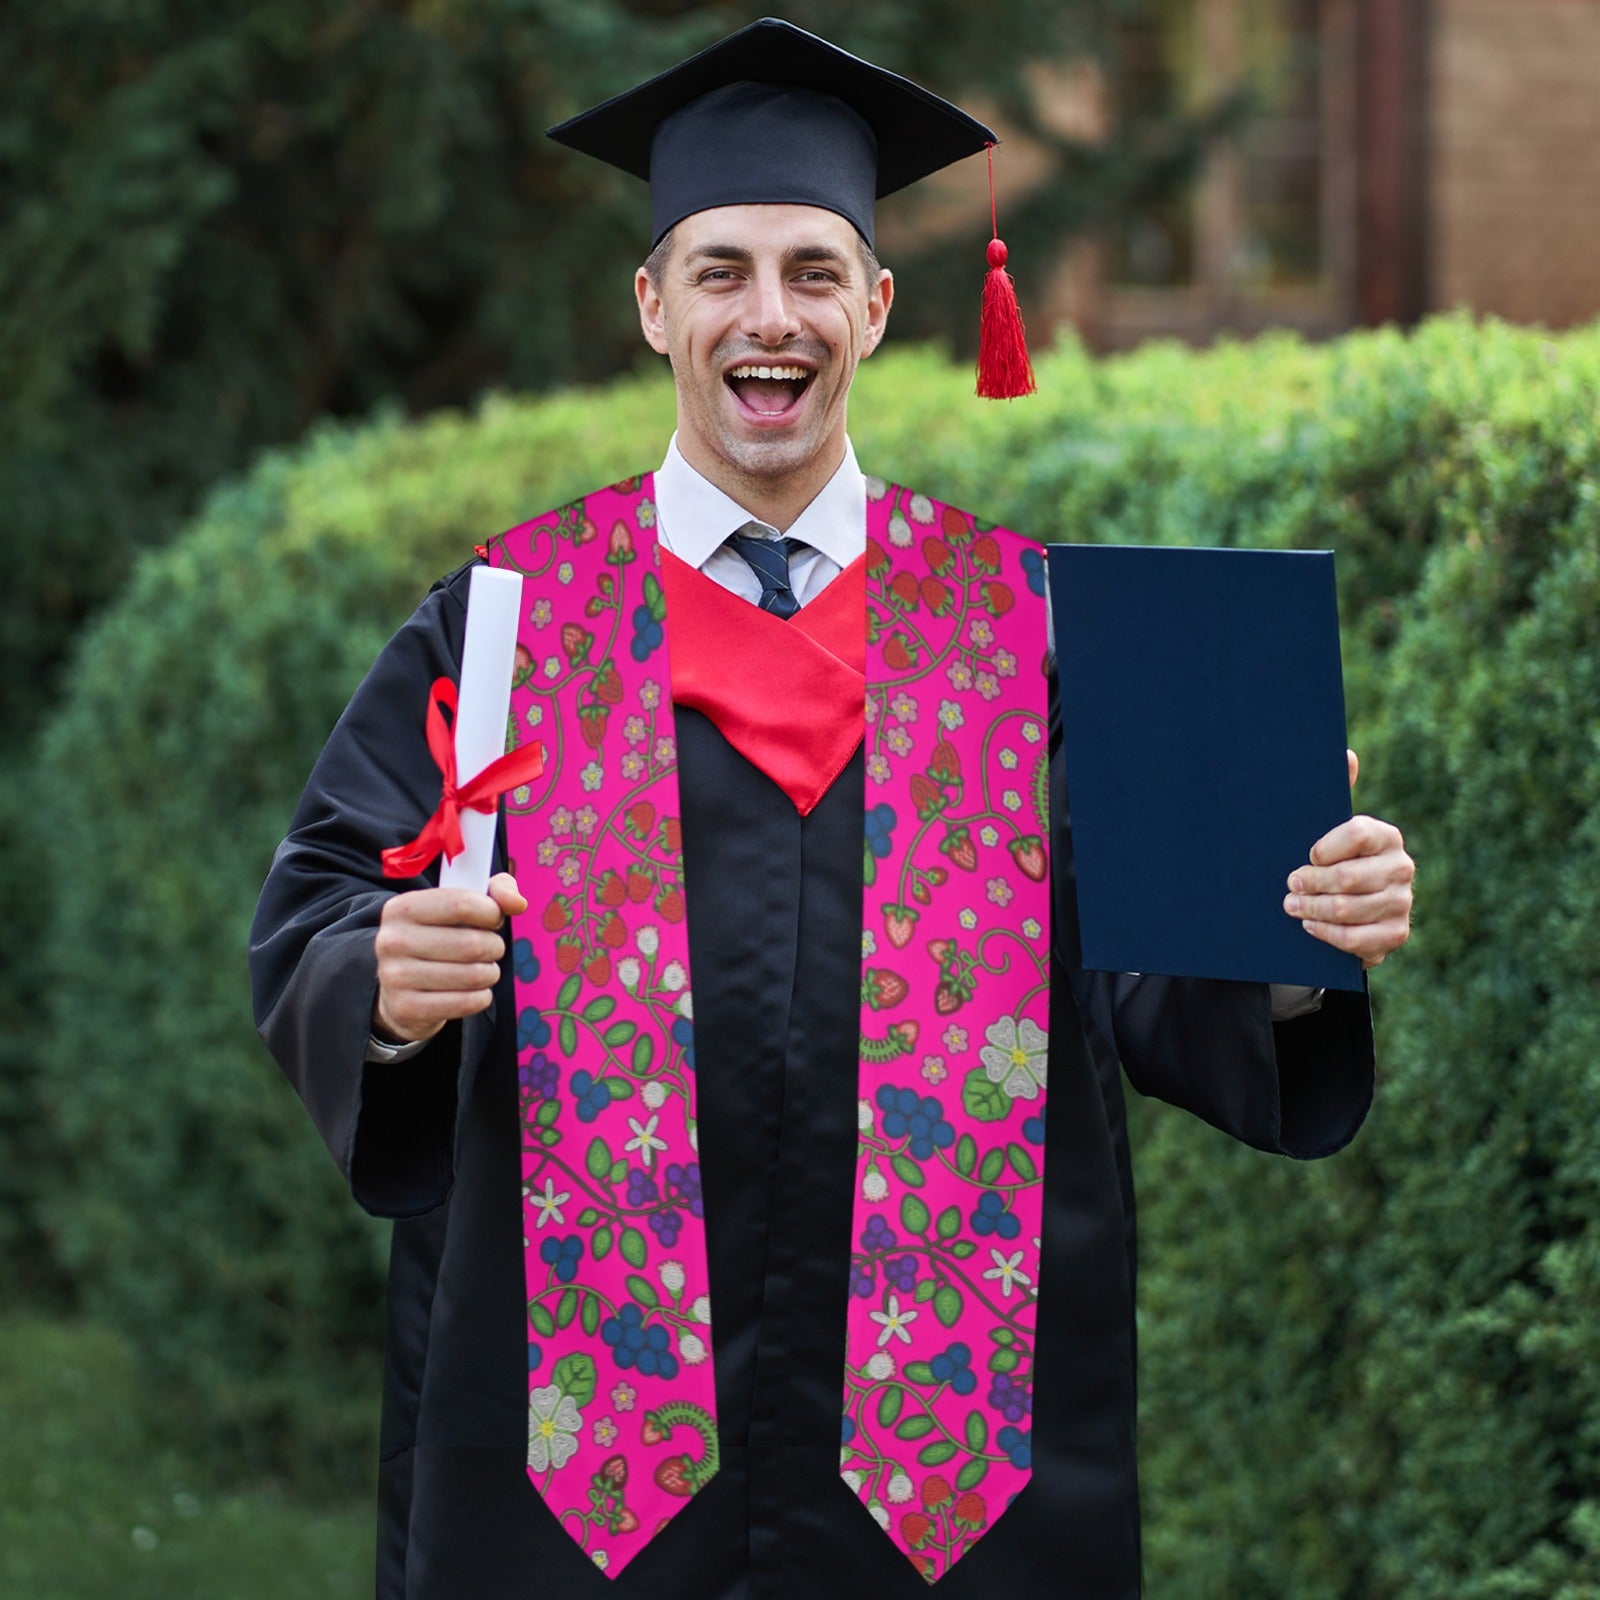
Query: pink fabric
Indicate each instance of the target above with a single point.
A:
(621, 1401)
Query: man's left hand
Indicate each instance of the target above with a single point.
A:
(1355, 893)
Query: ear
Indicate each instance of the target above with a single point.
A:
(652, 314)
(879, 300)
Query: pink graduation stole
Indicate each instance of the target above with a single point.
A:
(954, 1006)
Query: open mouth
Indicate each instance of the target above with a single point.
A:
(769, 391)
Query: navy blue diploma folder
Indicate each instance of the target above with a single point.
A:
(1202, 711)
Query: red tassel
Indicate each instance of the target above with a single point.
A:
(1004, 370)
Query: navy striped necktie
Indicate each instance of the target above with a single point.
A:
(769, 560)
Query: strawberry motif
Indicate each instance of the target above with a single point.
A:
(584, 531)
(555, 916)
(614, 1471)
(612, 931)
(619, 547)
(885, 988)
(942, 950)
(897, 655)
(575, 641)
(999, 598)
(524, 665)
(937, 554)
(624, 1522)
(919, 892)
(650, 1431)
(877, 558)
(899, 922)
(906, 1033)
(592, 725)
(955, 525)
(670, 904)
(611, 891)
(903, 586)
(1028, 852)
(946, 999)
(926, 796)
(628, 485)
(936, 595)
(569, 952)
(671, 835)
(945, 764)
(986, 553)
(959, 847)
(673, 1476)
(640, 883)
(641, 817)
(598, 969)
(608, 684)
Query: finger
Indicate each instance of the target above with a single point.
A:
(446, 908)
(1360, 836)
(416, 1015)
(435, 977)
(504, 892)
(1383, 906)
(1357, 875)
(1354, 763)
(426, 941)
(1371, 942)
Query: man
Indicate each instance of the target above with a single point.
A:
(432, 1069)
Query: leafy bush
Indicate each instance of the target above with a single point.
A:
(1374, 1377)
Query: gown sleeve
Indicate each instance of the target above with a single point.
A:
(390, 1127)
(1299, 1088)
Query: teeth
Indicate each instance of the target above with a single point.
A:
(797, 374)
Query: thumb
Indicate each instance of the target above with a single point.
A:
(1354, 762)
(504, 892)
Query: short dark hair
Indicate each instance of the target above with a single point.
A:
(655, 264)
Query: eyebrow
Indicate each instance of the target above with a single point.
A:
(795, 255)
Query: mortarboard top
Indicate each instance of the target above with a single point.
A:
(774, 115)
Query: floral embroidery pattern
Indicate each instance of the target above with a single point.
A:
(621, 1429)
(938, 1381)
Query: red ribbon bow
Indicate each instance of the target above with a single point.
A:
(442, 832)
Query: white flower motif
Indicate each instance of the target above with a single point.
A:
(628, 970)
(895, 1322)
(654, 1095)
(853, 1478)
(989, 834)
(869, 942)
(1011, 800)
(955, 1038)
(1008, 1269)
(671, 1275)
(553, 1420)
(701, 1310)
(982, 633)
(644, 1139)
(960, 675)
(899, 530)
(552, 667)
(685, 1006)
(646, 514)
(601, 1559)
(649, 694)
(921, 508)
(540, 615)
(864, 1115)
(968, 918)
(874, 1186)
(648, 939)
(904, 707)
(899, 1490)
(1016, 1056)
(876, 488)
(692, 1348)
(934, 1069)
(1031, 928)
(951, 715)
(1030, 731)
(880, 1514)
(550, 1203)
(534, 715)
(1008, 758)
(564, 572)
(673, 977)
(593, 776)
(880, 1365)
(587, 818)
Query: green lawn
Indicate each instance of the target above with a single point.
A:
(90, 1507)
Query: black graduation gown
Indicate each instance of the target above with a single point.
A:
(775, 920)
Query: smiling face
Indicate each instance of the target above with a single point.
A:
(764, 311)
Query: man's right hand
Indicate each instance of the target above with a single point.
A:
(438, 957)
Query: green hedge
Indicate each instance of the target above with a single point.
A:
(1374, 1377)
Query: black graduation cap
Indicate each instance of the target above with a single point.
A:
(774, 115)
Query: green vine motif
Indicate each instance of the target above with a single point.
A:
(899, 1041)
(681, 1473)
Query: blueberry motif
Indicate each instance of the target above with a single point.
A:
(1017, 1445)
(990, 1216)
(637, 1347)
(922, 1117)
(954, 1366)
(523, 961)
(564, 1255)
(683, 1037)
(880, 828)
(1010, 1398)
(591, 1094)
(532, 1029)
(646, 634)
(1033, 566)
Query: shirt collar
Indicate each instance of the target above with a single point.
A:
(695, 517)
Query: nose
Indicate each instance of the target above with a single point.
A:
(771, 318)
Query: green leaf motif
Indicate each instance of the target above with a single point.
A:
(949, 1222)
(924, 1291)
(1021, 1163)
(994, 1166)
(567, 1036)
(1002, 1336)
(598, 1159)
(549, 1136)
(588, 1217)
(985, 1101)
(569, 992)
(566, 1307)
(574, 1375)
(937, 1453)
(590, 1316)
(971, 1475)
(653, 596)
(966, 1154)
(600, 1242)
(963, 1248)
(632, 1247)
(599, 1008)
(644, 1052)
(1004, 1361)
(889, 1403)
(918, 1372)
(914, 1215)
(643, 1291)
(907, 1171)
(947, 1303)
(547, 1113)
(977, 1431)
(540, 1320)
(619, 1033)
(619, 1171)
(620, 1087)
(915, 1427)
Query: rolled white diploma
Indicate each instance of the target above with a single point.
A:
(494, 602)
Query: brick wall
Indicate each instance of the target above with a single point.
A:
(1514, 162)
